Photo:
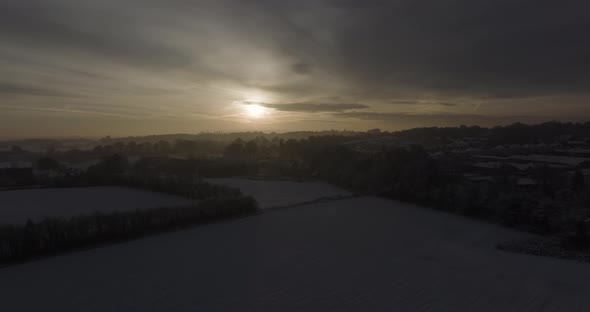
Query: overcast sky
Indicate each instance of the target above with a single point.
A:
(132, 67)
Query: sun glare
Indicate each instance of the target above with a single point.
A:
(253, 106)
(254, 110)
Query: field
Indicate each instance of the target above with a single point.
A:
(273, 194)
(17, 206)
(356, 254)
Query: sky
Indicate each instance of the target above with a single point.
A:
(138, 67)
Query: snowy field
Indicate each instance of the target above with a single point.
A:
(357, 254)
(271, 194)
(17, 206)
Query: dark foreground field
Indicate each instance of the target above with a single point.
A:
(360, 254)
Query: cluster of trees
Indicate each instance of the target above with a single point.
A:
(50, 236)
(404, 173)
(558, 205)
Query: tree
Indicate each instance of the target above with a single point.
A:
(108, 168)
(251, 148)
(16, 149)
(235, 149)
(162, 147)
(48, 163)
(578, 182)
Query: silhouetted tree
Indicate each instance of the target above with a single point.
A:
(578, 182)
(235, 149)
(48, 163)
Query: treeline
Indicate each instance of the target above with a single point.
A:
(51, 236)
(176, 176)
(208, 144)
(194, 148)
(517, 133)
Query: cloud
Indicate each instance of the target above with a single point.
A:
(202, 55)
(469, 47)
(475, 48)
(406, 102)
(13, 89)
(64, 27)
(310, 107)
(301, 68)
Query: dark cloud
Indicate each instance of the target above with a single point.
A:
(312, 107)
(480, 47)
(301, 68)
(463, 48)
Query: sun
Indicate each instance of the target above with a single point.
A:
(254, 110)
(253, 106)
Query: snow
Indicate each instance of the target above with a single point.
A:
(488, 165)
(479, 178)
(272, 194)
(19, 205)
(577, 150)
(356, 254)
(16, 164)
(522, 167)
(564, 160)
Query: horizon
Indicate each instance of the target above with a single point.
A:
(221, 132)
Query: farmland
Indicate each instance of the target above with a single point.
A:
(363, 253)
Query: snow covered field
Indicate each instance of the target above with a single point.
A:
(357, 254)
(17, 206)
(271, 194)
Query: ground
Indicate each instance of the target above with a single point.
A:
(355, 254)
